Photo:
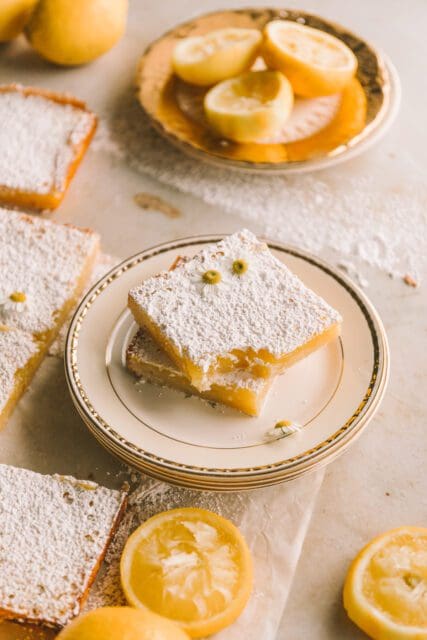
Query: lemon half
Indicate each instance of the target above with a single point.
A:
(250, 107)
(385, 591)
(220, 54)
(316, 63)
(191, 566)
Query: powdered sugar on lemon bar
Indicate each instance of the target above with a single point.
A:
(265, 318)
(43, 269)
(38, 139)
(17, 349)
(43, 261)
(53, 536)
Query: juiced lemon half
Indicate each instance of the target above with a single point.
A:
(385, 591)
(249, 107)
(224, 53)
(316, 63)
(191, 566)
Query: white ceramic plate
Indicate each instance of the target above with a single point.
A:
(333, 393)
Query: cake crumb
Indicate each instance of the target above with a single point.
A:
(410, 281)
(150, 201)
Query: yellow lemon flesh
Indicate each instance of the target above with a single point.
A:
(126, 623)
(13, 16)
(72, 32)
(250, 107)
(316, 63)
(191, 566)
(221, 54)
(385, 592)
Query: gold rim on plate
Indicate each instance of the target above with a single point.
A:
(237, 477)
(367, 107)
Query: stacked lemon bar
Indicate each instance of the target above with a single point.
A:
(225, 323)
(44, 267)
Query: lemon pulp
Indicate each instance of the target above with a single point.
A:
(189, 565)
(385, 592)
(249, 107)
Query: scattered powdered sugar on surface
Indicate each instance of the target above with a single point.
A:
(266, 308)
(16, 348)
(53, 531)
(376, 218)
(104, 263)
(146, 352)
(275, 549)
(38, 140)
(42, 260)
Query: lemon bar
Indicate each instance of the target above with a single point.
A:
(238, 389)
(54, 533)
(43, 269)
(19, 358)
(43, 137)
(232, 306)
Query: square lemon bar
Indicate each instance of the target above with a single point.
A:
(54, 534)
(43, 138)
(239, 389)
(233, 306)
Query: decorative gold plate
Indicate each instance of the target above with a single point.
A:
(363, 111)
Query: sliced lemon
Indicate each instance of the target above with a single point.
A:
(191, 566)
(316, 63)
(385, 592)
(250, 107)
(220, 54)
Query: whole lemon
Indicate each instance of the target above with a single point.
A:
(71, 32)
(122, 623)
(13, 16)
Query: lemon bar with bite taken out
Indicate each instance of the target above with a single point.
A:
(233, 305)
(238, 388)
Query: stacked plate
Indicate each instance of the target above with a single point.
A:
(332, 394)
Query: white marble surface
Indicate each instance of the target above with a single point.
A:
(381, 481)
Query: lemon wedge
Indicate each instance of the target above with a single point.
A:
(249, 107)
(191, 566)
(224, 53)
(316, 63)
(385, 592)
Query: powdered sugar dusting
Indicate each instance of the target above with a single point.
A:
(43, 260)
(16, 348)
(53, 531)
(104, 263)
(379, 219)
(38, 140)
(266, 308)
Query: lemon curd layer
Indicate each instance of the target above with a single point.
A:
(263, 319)
(238, 389)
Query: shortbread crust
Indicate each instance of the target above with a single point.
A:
(238, 389)
(265, 319)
